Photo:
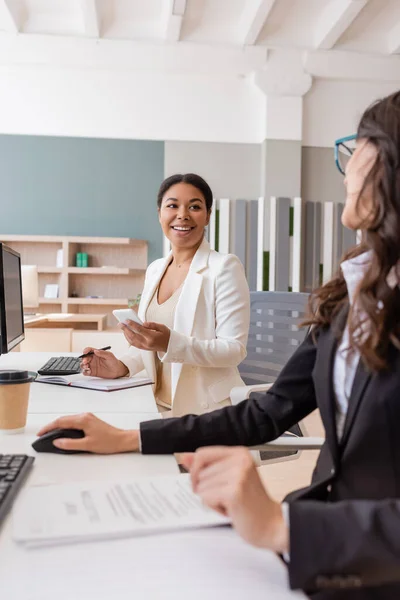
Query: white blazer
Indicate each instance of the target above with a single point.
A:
(209, 337)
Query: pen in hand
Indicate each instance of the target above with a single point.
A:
(91, 352)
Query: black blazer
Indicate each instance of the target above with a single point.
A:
(345, 526)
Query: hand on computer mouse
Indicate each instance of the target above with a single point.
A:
(45, 443)
(102, 364)
(100, 437)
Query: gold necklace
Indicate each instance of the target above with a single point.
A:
(184, 262)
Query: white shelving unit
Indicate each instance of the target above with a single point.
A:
(115, 272)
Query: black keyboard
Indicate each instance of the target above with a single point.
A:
(61, 365)
(13, 470)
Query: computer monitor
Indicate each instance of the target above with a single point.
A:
(11, 309)
(30, 286)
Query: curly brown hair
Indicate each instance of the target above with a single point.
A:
(376, 303)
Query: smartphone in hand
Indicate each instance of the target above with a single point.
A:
(127, 313)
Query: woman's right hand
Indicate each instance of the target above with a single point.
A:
(102, 364)
(100, 437)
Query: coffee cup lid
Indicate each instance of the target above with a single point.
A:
(12, 377)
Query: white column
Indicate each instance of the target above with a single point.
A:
(298, 245)
(224, 225)
(284, 83)
(328, 241)
(212, 225)
(261, 234)
(272, 243)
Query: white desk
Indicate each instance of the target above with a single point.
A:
(214, 564)
(45, 398)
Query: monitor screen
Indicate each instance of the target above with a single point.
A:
(11, 309)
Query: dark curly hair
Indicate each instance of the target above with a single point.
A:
(377, 303)
(190, 178)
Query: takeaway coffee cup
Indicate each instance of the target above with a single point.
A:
(14, 396)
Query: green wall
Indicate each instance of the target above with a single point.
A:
(80, 186)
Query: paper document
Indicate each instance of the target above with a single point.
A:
(95, 383)
(66, 513)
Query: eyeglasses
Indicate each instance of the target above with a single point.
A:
(344, 148)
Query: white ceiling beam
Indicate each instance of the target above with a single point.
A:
(254, 19)
(90, 18)
(352, 66)
(394, 40)
(8, 17)
(335, 19)
(86, 53)
(176, 12)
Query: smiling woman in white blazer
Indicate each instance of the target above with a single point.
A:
(201, 300)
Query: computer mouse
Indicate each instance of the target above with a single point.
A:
(44, 443)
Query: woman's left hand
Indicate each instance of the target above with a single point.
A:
(149, 336)
(226, 479)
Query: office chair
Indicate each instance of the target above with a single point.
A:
(273, 337)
